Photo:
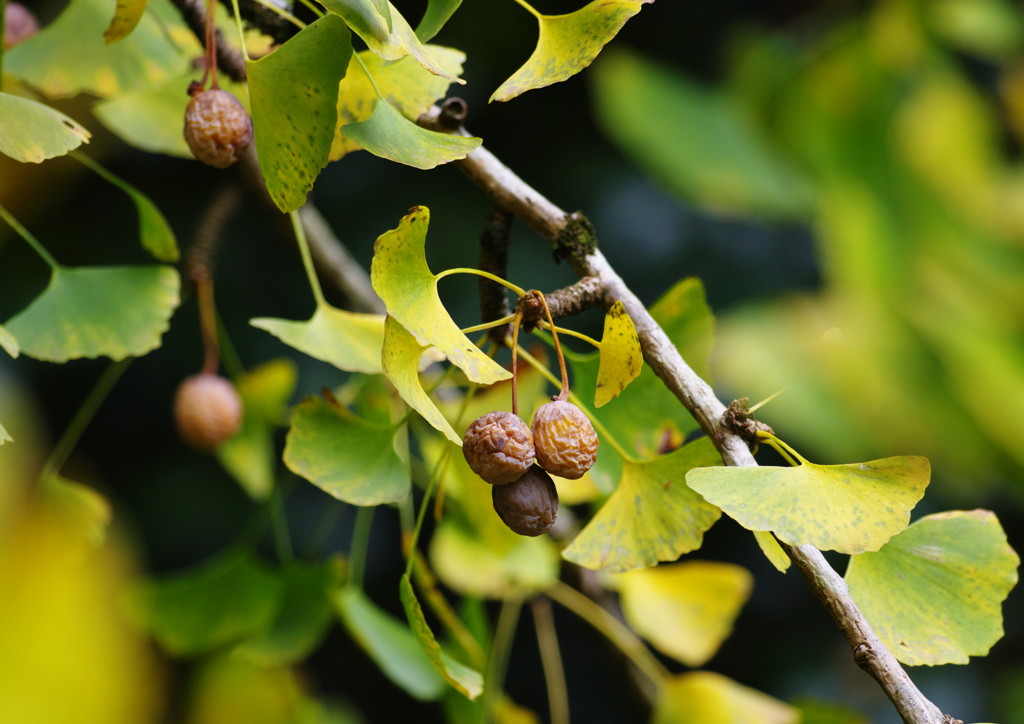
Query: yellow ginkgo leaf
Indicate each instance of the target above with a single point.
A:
(568, 44)
(621, 356)
(686, 609)
(127, 14)
(702, 697)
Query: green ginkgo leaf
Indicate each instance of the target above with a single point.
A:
(250, 455)
(933, 593)
(389, 134)
(401, 361)
(84, 512)
(301, 620)
(350, 341)
(31, 132)
(154, 232)
(390, 643)
(70, 56)
(703, 696)
(344, 455)
(401, 278)
(221, 602)
(621, 356)
(391, 41)
(9, 343)
(113, 312)
(294, 96)
(849, 508)
(437, 14)
(405, 84)
(384, 8)
(651, 517)
(686, 609)
(127, 14)
(467, 681)
(683, 312)
(568, 44)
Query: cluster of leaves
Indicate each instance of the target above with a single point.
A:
(650, 498)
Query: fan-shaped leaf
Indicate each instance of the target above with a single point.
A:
(687, 609)
(404, 83)
(846, 508)
(568, 44)
(205, 608)
(465, 680)
(294, 97)
(114, 312)
(344, 455)
(705, 697)
(391, 644)
(401, 362)
(390, 41)
(69, 56)
(933, 592)
(401, 277)
(651, 517)
(31, 132)
(350, 341)
(389, 134)
(621, 356)
(127, 14)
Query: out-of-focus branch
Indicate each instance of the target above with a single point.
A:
(514, 195)
(229, 61)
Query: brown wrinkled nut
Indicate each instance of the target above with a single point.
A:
(19, 24)
(564, 439)
(217, 128)
(207, 410)
(498, 447)
(528, 506)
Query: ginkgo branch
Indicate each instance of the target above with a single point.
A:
(513, 194)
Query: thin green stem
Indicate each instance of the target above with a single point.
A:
(279, 524)
(435, 475)
(530, 8)
(29, 238)
(520, 292)
(489, 325)
(766, 400)
(84, 416)
(497, 661)
(369, 75)
(563, 393)
(282, 12)
(429, 591)
(792, 456)
(572, 333)
(241, 32)
(312, 8)
(3, 28)
(574, 398)
(307, 258)
(551, 660)
(613, 629)
(228, 354)
(360, 545)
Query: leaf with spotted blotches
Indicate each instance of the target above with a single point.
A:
(568, 44)
(934, 592)
(621, 356)
(846, 508)
(651, 517)
(401, 278)
(293, 93)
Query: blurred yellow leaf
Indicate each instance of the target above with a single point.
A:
(702, 697)
(687, 609)
(350, 341)
(127, 14)
(621, 356)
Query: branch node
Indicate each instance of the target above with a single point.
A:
(738, 419)
(571, 300)
(577, 240)
(453, 112)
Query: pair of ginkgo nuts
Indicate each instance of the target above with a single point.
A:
(519, 460)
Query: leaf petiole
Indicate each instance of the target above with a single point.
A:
(307, 259)
(792, 456)
(530, 9)
(572, 333)
(520, 292)
(32, 241)
(241, 34)
(283, 13)
(489, 325)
